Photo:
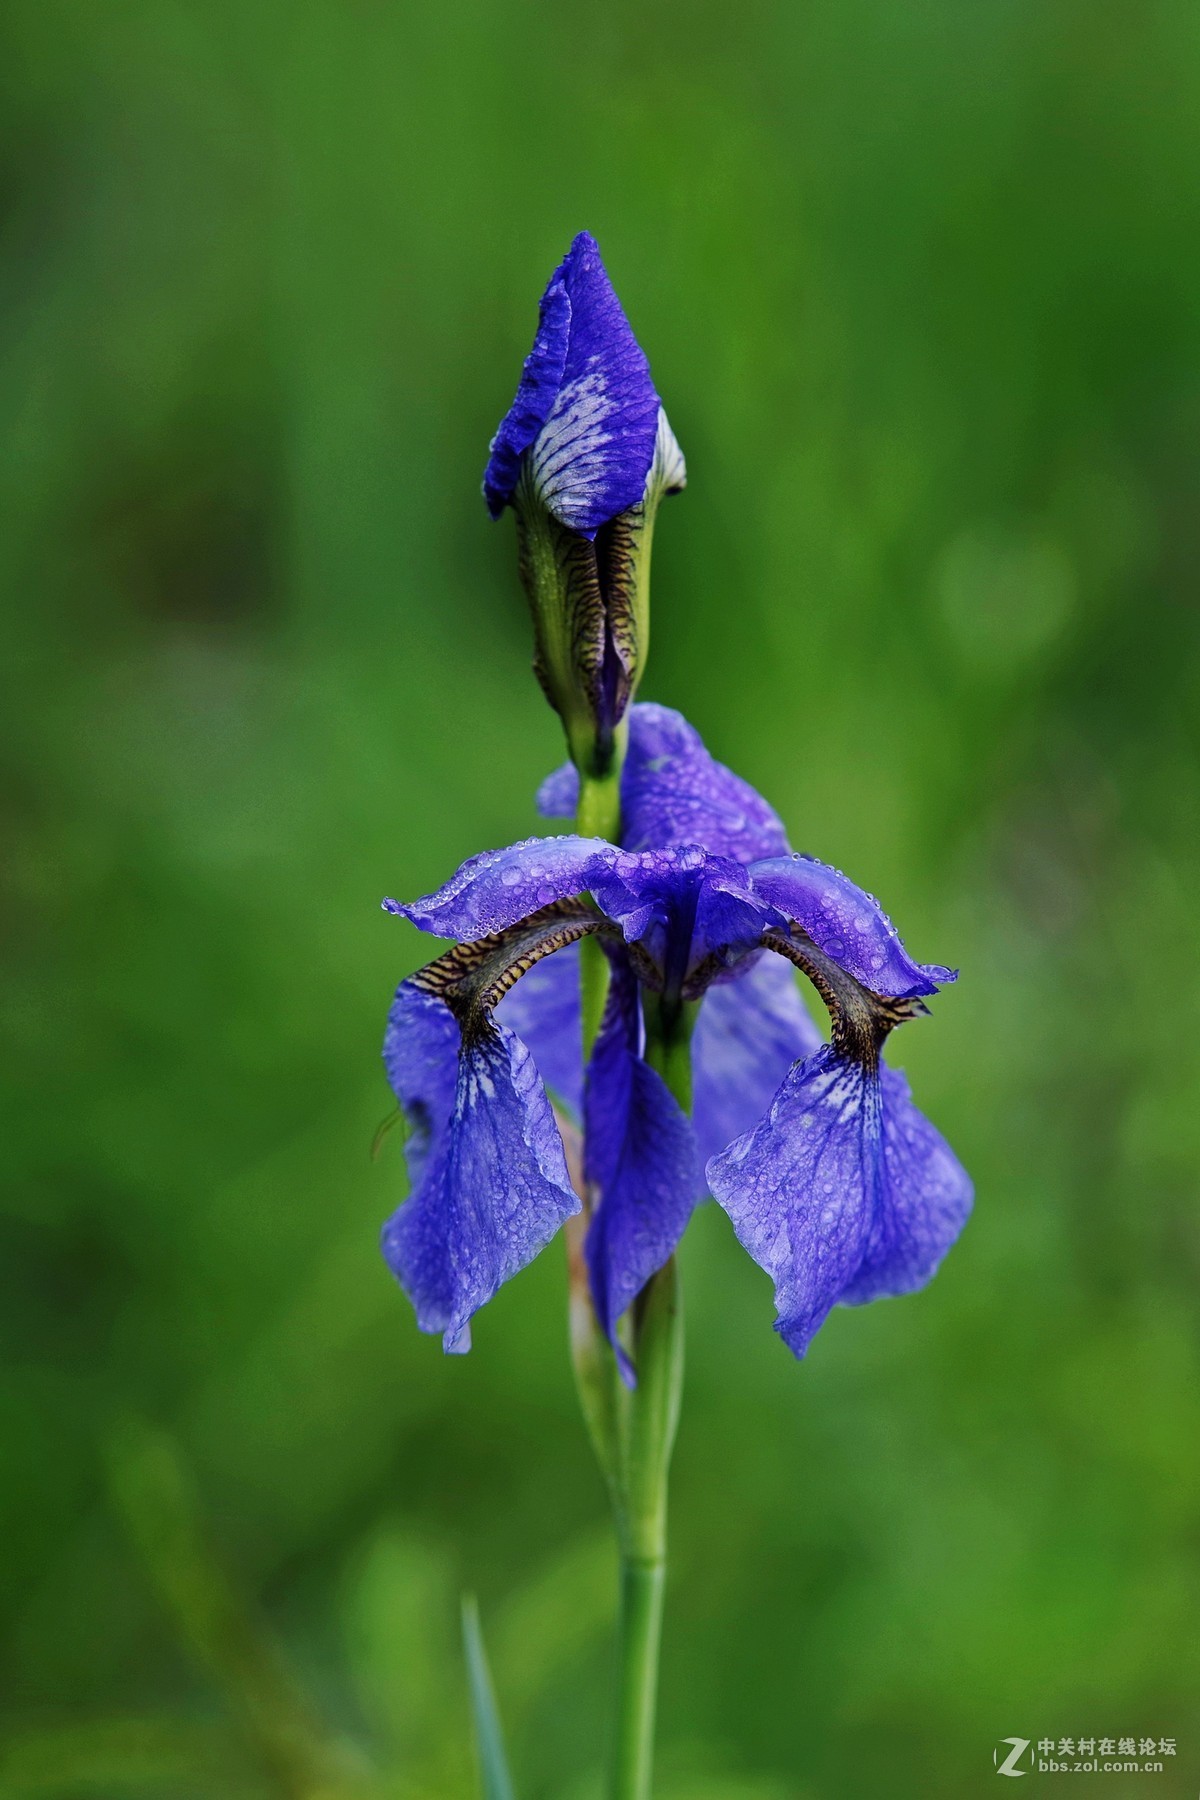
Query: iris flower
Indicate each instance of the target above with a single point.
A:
(834, 1182)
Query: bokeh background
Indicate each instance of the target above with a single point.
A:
(920, 287)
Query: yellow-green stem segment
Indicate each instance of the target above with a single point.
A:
(598, 815)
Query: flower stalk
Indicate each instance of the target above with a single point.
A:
(598, 815)
(648, 1418)
(633, 1433)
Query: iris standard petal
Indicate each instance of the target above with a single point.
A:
(495, 889)
(543, 1009)
(558, 795)
(493, 1190)
(841, 1193)
(749, 1032)
(674, 792)
(848, 924)
(640, 1158)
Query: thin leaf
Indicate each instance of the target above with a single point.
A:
(493, 1764)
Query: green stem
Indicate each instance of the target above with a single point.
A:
(669, 1042)
(598, 815)
(649, 1416)
(643, 1584)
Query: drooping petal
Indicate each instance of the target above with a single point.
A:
(750, 1031)
(641, 1159)
(929, 1194)
(848, 924)
(495, 889)
(493, 1190)
(674, 792)
(842, 1192)
(420, 1055)
(799, 1189)
(543, 1009)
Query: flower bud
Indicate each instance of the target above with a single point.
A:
(584, 455)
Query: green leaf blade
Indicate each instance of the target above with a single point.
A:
(493, 1763)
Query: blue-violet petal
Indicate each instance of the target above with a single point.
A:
(751, 1028)
(492, 1191)
(641, 1159)
(495, 889)
(843, 1192)
(848, 924)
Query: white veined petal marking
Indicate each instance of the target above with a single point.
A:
(568, 461)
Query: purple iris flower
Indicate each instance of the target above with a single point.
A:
(834, 1182)
(584, 455)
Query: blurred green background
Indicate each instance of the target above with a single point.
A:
(921, 288)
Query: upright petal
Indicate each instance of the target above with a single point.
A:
(750, 1031)
(674, 792)
(841, 1193)
(493, 1190)
(558, 795)
(641, 1159)
(848, 924)
(543, 1009)
(496, 888)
